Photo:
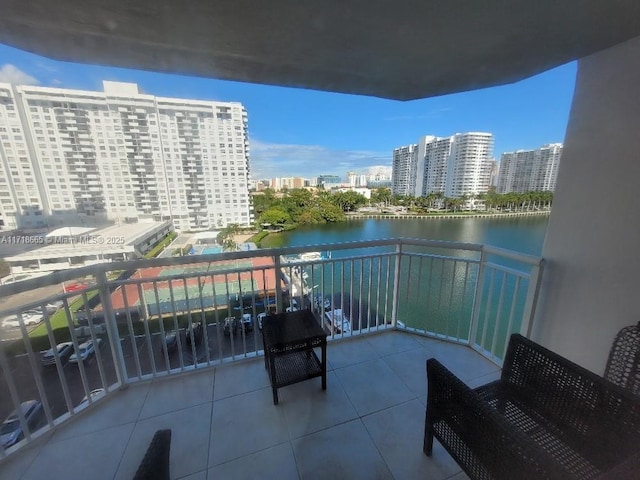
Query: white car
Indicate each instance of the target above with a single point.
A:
(260, 317)
(87, 350)
(93, 395)
(12, 321)
(293, 307)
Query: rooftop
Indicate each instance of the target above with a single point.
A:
(109, 240)
(367, 424)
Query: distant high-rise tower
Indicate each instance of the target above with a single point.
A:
(529, 170)
(403, 175)
(453, 166)
(88, 157)
(470, 164)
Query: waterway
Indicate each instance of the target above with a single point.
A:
(522, 234)
(436, 293)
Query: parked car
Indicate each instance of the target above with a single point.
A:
(64, 351)
(86, 349)
(230, 325)
(93, 395)
(293, 307)
(247, 322)
(260, 318)
(198, 332)
(12, 321)
(320, 302)
(171, 341)
(11, 429)
(54, 306)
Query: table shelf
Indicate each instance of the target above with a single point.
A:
(289, 340)
(296, 367)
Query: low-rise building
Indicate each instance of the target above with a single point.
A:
(77, 247)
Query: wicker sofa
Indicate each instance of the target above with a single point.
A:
(545, 418)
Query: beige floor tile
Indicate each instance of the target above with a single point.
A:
(372, 386)
(245, 424)
(275, 462)
(344, 451)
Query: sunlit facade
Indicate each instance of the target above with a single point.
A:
(123, 156)
(454, 166)
(530, 170)
(403, 175)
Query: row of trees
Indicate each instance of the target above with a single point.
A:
(300, 206)
(490, 200)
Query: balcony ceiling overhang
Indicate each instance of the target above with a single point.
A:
(400, 50)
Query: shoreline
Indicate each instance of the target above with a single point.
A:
(401, 216)
(404, 216)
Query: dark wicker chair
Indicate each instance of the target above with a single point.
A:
(155, 464)
(546, 418)
(623, 364)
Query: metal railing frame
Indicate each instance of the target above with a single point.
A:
(398, 251)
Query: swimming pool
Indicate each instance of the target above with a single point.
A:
(210, 250)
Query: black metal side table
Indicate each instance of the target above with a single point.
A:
(289, 339)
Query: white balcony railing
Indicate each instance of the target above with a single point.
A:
(465, 293)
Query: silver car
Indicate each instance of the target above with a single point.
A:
(87, 350)
(11, 429)
(64, 351)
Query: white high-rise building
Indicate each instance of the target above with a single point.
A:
(453, 166)
(403, 174)
(470, 164)
(529, 170)
(21, 201)
(74, 156)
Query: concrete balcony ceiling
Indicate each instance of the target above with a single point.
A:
(400, 50)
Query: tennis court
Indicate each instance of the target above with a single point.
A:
(206, 267)
(199, 296)
(199, 289)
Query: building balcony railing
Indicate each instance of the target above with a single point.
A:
(164, 316)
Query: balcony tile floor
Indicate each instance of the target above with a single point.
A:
(367, 425)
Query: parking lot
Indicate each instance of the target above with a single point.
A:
(218, 345)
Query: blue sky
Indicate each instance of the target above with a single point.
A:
(295, 132)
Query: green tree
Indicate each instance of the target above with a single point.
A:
(331, 213)
(226, 237)
(263, 200)
(349, 200)
(381, 196)
(275, 216)
(295, 201)
(311, 216)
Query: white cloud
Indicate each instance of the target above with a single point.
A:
(270, 160)
(12, 74)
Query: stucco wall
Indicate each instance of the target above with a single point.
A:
(591, 286)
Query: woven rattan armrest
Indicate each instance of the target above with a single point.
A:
(477, 436)
(155, 464)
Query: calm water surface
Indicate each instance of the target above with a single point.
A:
(436, 294)
(522, 234)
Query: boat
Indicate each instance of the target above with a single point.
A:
(320, 302)
(306, 257)
(337, 321)
(310, 256)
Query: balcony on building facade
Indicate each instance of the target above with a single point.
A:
(404, 300)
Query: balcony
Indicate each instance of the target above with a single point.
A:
(406, 300)
(224, 423)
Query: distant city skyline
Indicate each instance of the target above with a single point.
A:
(297, 132)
